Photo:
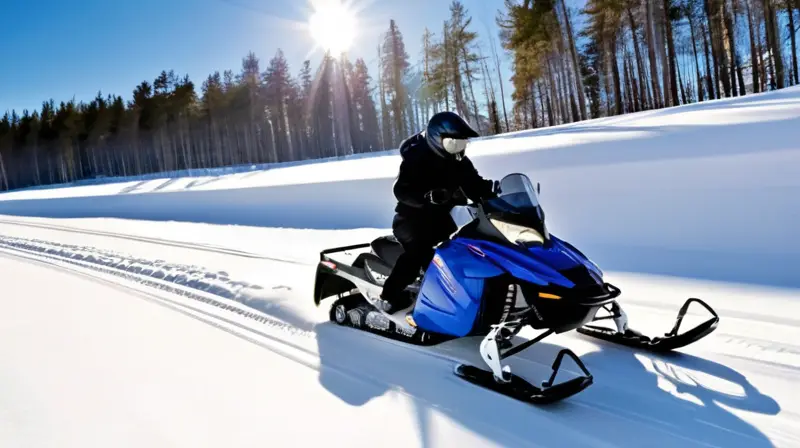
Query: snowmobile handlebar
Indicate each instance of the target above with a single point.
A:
(442, 196)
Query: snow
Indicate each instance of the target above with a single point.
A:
(178, 311)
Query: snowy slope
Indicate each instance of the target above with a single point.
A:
(239, 356)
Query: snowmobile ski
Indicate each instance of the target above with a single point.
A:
(624, 335)
(520, 389)
(501, 380)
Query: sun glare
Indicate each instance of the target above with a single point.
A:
(332, 26)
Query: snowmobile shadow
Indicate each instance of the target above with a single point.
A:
(678, 394)
(667, 400)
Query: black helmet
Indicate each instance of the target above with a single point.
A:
(448, 125)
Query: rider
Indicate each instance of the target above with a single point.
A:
(435, 175)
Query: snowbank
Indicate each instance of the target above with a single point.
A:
(201, 172)
(710, 190)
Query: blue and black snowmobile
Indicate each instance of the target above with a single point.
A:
(500, 272)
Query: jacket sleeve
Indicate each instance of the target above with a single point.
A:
(474, 186)
(406, 190)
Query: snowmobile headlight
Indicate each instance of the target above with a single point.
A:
(517, 234)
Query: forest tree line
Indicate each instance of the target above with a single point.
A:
(606, 58)
(644, 54)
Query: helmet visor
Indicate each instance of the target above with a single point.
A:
(454, 145)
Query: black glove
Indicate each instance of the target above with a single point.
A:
(496, 188)
(438, 196)
(459, 198)
(491, 191)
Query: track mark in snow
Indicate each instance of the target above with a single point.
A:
(242, 298)
(159, 241)
(760, 350)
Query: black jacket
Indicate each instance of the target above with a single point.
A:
(422, 171)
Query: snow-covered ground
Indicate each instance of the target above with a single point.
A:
(697, 201)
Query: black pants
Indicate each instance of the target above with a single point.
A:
(418, 235)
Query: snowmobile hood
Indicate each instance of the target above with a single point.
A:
(562, 256)
(556, 264)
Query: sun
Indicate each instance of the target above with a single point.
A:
(333, 26)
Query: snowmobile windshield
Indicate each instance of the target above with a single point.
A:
(516, 194)
(516, 211)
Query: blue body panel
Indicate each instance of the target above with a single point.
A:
(452, 289)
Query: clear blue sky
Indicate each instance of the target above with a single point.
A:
(62, 49)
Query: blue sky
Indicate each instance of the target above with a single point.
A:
(62, 49)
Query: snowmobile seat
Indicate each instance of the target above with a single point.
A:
(388, 249)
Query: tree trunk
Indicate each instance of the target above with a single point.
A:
(500, 80)
(575, 65)
(709, 7)
(548, 106)
(555, 96)
(696, 59)
(468, 72)
(712, 92)
(3, 173)
(718, 17)
(730, 30)
(773, 42)
(639, 101)
(753, 50)
(534, 117)
(445, 62)
(627, 84)
(570, 84)
(682, 87)
(762, 66)
(651, 48)
(646, 99)
(792, 32)
(489, 99)
(615, 73)
(606, 81)
(663, 58)
(671, 55)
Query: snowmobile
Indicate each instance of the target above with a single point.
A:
(501, 271)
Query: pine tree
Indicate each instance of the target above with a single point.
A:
(464, 59)
(365, 105)
(322, 109)
(395, 64)
(276, 92)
